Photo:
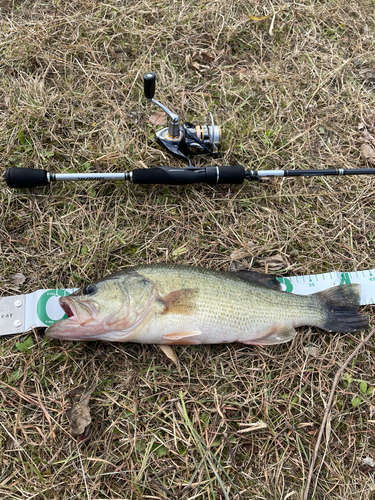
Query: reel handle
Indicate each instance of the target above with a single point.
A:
(149, 84)
(30, 177)
(17, 177)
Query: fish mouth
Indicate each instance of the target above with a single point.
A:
(66, 308)
(82, 313)
(77, 326)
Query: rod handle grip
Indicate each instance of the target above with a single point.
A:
(17, 177)
(182, 176)
(149, 84)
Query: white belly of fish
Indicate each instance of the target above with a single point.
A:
(212, 323)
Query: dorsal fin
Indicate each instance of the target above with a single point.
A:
(261, 279)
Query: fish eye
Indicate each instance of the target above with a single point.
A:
(89, 289)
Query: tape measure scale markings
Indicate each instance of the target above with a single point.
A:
(288, 284)
(345, 279)
(43, 304)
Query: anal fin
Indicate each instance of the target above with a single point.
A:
(277, 334)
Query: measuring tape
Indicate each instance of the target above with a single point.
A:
(21, 313)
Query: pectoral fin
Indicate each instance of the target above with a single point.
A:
(277, 334)
(179, 302)
(182, 338)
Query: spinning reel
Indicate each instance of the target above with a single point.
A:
(187, 139)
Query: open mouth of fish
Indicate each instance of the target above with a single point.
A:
(67, 309)
(87, 312)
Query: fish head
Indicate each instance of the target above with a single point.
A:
(117, 304)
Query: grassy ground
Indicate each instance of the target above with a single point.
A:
(289, 92)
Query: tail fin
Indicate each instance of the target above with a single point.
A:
(341, 305)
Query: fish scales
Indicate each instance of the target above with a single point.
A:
(177, 304)
(228, 308)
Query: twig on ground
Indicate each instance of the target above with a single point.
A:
(328, 410)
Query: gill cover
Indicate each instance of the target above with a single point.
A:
(114, 304)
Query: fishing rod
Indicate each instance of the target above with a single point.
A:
(29, 177)
(182, 141)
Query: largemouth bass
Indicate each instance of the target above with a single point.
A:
(177, 304)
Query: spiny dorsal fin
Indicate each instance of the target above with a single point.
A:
(180, 301)
(261, 279)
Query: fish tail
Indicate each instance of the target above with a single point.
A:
(341, 307)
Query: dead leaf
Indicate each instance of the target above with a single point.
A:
(366, 136)
(17, 278)
(311, 351)
(250, 250)
(368, 74)
(158, 118)
(196, 66)
(203, 57)
(243, 73)
(274, 263)
(361, 126)
(79, 414)
(239, 254)
(232, 267)
(368, 461)
(206, 56)
(242, 258)
(256, 426)
(251, 245)
(368, 153)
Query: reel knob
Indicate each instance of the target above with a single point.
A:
(149, 85)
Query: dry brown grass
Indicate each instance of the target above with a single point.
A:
(71, 98)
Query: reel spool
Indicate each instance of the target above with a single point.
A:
(188, 139)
